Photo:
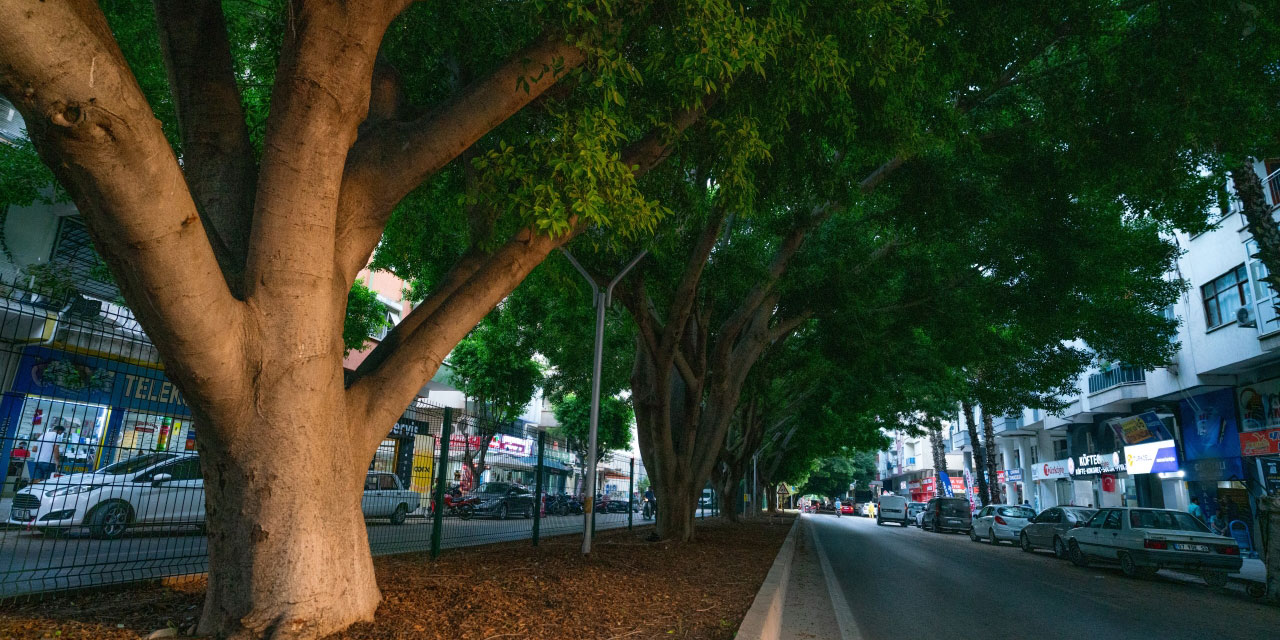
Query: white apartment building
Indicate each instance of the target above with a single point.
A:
(906, 468)
(1206, 425)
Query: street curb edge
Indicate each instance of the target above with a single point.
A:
(764, 619)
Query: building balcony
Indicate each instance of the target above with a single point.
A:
(1114, 377)
(1117, 390)
(960, 440)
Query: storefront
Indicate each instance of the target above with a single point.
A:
(1052, 484)
(1100, 479)
(1211, 442)
(109, 409)
(1157, 474)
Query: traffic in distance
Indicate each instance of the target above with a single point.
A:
(1139, 541)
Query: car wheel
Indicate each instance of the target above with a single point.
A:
(973, 535)
(1059, 548)
(109, 520)
(562, 510)
(1215, 578)
(1078, 557)
(502, 511)
(1127, 565)
(528, 512)
(1026, 543)
(991, 537)
(466, 511)
(400, 514)
(879, 522)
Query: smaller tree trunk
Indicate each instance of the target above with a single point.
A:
(939, 454)
(1257, 215)
(989, 441)
(979, 462)
(771, 497)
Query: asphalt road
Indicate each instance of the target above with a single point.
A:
(31, 562)
(907, 583)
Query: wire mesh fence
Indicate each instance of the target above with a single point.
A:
(102, 479)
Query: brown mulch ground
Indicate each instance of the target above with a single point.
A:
(629, 588)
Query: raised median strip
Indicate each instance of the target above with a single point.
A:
(764, 618)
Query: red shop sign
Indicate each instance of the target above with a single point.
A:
(1260, 443)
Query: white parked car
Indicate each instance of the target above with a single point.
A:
(153, 489)
(1144, 541)
(996, 522)
(385, 497)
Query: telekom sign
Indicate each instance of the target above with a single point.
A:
(1050, 470)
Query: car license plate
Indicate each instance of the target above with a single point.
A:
(1191, 547)
(22, 514)
(953, 521)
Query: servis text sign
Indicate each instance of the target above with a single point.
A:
(1050, 470)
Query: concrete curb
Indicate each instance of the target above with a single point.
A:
(764, 619)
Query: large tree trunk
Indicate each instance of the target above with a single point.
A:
(771, 498)
(979, 462)
(989, 442)
(1257, 214)
(288, 552)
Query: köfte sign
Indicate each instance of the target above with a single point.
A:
(1050, 470)
(1151, 457)
(1093, 464)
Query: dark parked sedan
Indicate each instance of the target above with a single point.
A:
(503, 499)
(1049, 529)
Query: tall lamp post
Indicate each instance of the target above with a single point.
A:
(601, 300)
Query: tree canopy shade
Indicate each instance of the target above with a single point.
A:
(237, 164)
(832, 476)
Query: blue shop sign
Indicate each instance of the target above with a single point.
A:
(62, 374)
(1214, 470)
(1013, 475)
(1209, 426)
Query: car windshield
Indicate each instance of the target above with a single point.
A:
(954, 508)
(1165, 520)
(1016, 512)
(138, 463)
(1082, 515)
(492, 487)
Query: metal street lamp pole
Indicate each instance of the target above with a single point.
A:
(601, 300)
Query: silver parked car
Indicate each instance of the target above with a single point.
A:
(996, 522)
(1144, 541)
(1049, 529)
(385, 497)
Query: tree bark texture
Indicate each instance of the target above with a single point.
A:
(979, 461)
(939, 456)
(1271, 552)
(1259, 220)
(989, 442)
(238, 269)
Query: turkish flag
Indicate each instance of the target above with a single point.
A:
(1109, 483)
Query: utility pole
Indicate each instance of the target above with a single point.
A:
(601, 300)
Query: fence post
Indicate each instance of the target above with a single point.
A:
(537, 487)
(442, 467)
(631, 493)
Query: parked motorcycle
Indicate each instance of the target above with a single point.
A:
(455, 504)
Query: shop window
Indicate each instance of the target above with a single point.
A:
(143, 432)
(1059, 449)
(384, 459)
(83, 427)
(1225, 295)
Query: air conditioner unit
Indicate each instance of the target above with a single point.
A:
(1245, 319)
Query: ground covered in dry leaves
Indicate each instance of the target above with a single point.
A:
(629, 588)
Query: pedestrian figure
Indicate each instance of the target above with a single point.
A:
(837, 507)
(46, 456)
(1195, 509)
(1219, 524)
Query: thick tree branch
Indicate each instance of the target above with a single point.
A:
(216, 155)
(393, 158)
(682, 302)
(92, 125)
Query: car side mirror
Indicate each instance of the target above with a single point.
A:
(160, 478)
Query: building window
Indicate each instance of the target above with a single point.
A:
(1224, 295)
(1272, 166)
(1035, 454)
(1059, 449)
